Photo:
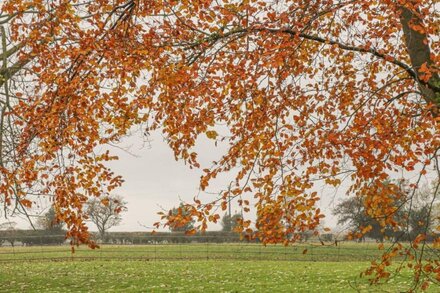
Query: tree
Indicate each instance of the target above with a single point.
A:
(230, 222)
(419, 220)
(50, 223)
(8, 226)
(351, 212)
(421, 213)
(305, 91)
(436, 216)
(185, 222)
(105, 212)
(8, 232)
(413, 213)
(51, 230)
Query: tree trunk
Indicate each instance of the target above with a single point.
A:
(420, 55)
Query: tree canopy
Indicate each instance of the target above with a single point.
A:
(304, 92)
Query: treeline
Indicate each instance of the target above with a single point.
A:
(32, 237)
(171, 237)
(45, 237)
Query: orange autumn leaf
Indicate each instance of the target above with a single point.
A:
(25, 202)
(190, 232)
(105, 201)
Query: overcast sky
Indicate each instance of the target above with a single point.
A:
(155, 180)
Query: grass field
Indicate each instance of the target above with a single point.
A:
(192, 268)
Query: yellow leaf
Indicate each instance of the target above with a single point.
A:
(212, 134)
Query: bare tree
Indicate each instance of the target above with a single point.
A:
(106, 212)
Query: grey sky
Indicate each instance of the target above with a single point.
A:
(155, 180)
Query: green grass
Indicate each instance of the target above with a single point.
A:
(212, 268)
(237, 251)
(189, 276)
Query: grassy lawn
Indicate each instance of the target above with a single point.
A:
(207, 251)
(189, 276)
(212, 268)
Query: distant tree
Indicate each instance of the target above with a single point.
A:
(419, 221)
(105, 213)
(415, 217)
(49, 222)
(436, 218)
(230, 222)
(7, 232)
(51, 230)
(8, 226)
(423, 217)
(186, 222)
(351, 212)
